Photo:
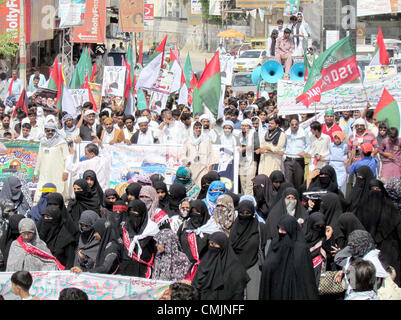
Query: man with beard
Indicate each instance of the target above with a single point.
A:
(357, 138)
(87, 131)
(145, 134)
(171, 129)
(5, 125)
(208, 127)
(329, 126)
(52, 157)
(346, 122)
(271, 148)
(111, 135)
(70, 131)
(247, 167)
(128, 130)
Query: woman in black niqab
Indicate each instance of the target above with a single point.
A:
(161, 187)
(132, 192)
(360, 190)
(382, 220)
(206, 180)
(53, 230)
(331, 208)
(198, 216)
(135, 223)
(220, 275)
(84, 200)
(263, 193)
(346, 223)
(177, 193)
(287, 272)
(279, 185)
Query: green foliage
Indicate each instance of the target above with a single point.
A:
(8, 47)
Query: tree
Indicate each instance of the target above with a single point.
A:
(8, 47)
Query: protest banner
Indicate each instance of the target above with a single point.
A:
(291, 7)
(48, 285)
(80, 96)
(96, 92)
(226, 67)
(345, 97)
(380, 72)
(131, 16)
(71, 13)
(19, 160)
(131, 161)
(94, 28)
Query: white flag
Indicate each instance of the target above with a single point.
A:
(176, 70)
(68, 103)
(150, 73)
(183, 96)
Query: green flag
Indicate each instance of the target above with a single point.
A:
(188, 71)
(83, 68)
(141, 100)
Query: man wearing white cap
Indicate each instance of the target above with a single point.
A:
(359, 136)
(145, 135)
(87, 131)
(52, 157)
(171, 130)
(227, 138)
(204, 119)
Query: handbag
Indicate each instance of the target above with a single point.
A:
(327, 284)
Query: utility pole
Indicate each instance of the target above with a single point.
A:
(22, 46)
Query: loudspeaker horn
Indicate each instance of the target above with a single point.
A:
(256, 75)
(272, 71)
(297, 72)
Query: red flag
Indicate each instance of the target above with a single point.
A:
(10, 87)
(128, 80)
(21, 103)
(94, 70)
(91, 99)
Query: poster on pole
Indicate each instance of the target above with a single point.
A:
(71, 13)
(149, 12)
(19, 160)
(96, 92)
(113, 86)
(80, 96)
(48, 285)
(94, 28)
(10, 18)
(215, 7)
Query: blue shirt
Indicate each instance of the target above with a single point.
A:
(237, 125)
(372, 163)
(296, 143)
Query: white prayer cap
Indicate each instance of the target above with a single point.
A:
(25, 120)
(359, 121)
(50, 125)
(247, 122)
(50, 118)
(265, 95)
(88, 112)
(228, 123)
(142, 120)
(108, 110)
(204, 116)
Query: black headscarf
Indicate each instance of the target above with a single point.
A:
(97, 190)
(220, 274)
(287, 272)
(106, 202)
(10, 234)
(163, 203)
(84, 200)
(315, 228)
(133, 189)
(360, 190)
(135, 224)
(280, 209)
(177, 193)
(263, 193)
(206, 180)
(108, 244)
(56, 199)
(244, 235)
(328, 183)
(156, 178)
(378, 214)
(331, 208)
(194, 221)
(278, 176)
(360, 242)
(13, 190)
(55, 233)
(117, 215)
(346, 223)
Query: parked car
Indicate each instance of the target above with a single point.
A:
(242, 83)
(249, 60)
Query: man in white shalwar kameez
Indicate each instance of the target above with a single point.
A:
(52, 156)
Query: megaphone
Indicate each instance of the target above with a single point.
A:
(272, 71)
(256, 75)
(297, 72)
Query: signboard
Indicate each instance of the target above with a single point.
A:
(10, 18)
(48, 285)
(332, 37)
(113, 81)
(380, 72)
(215, 7)
(345, 97)
(80, 96)
(196, 7)
(19, 160)
(71, 13)
(94, 28)
(374, 7)
(149, 13)
(131, 16)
